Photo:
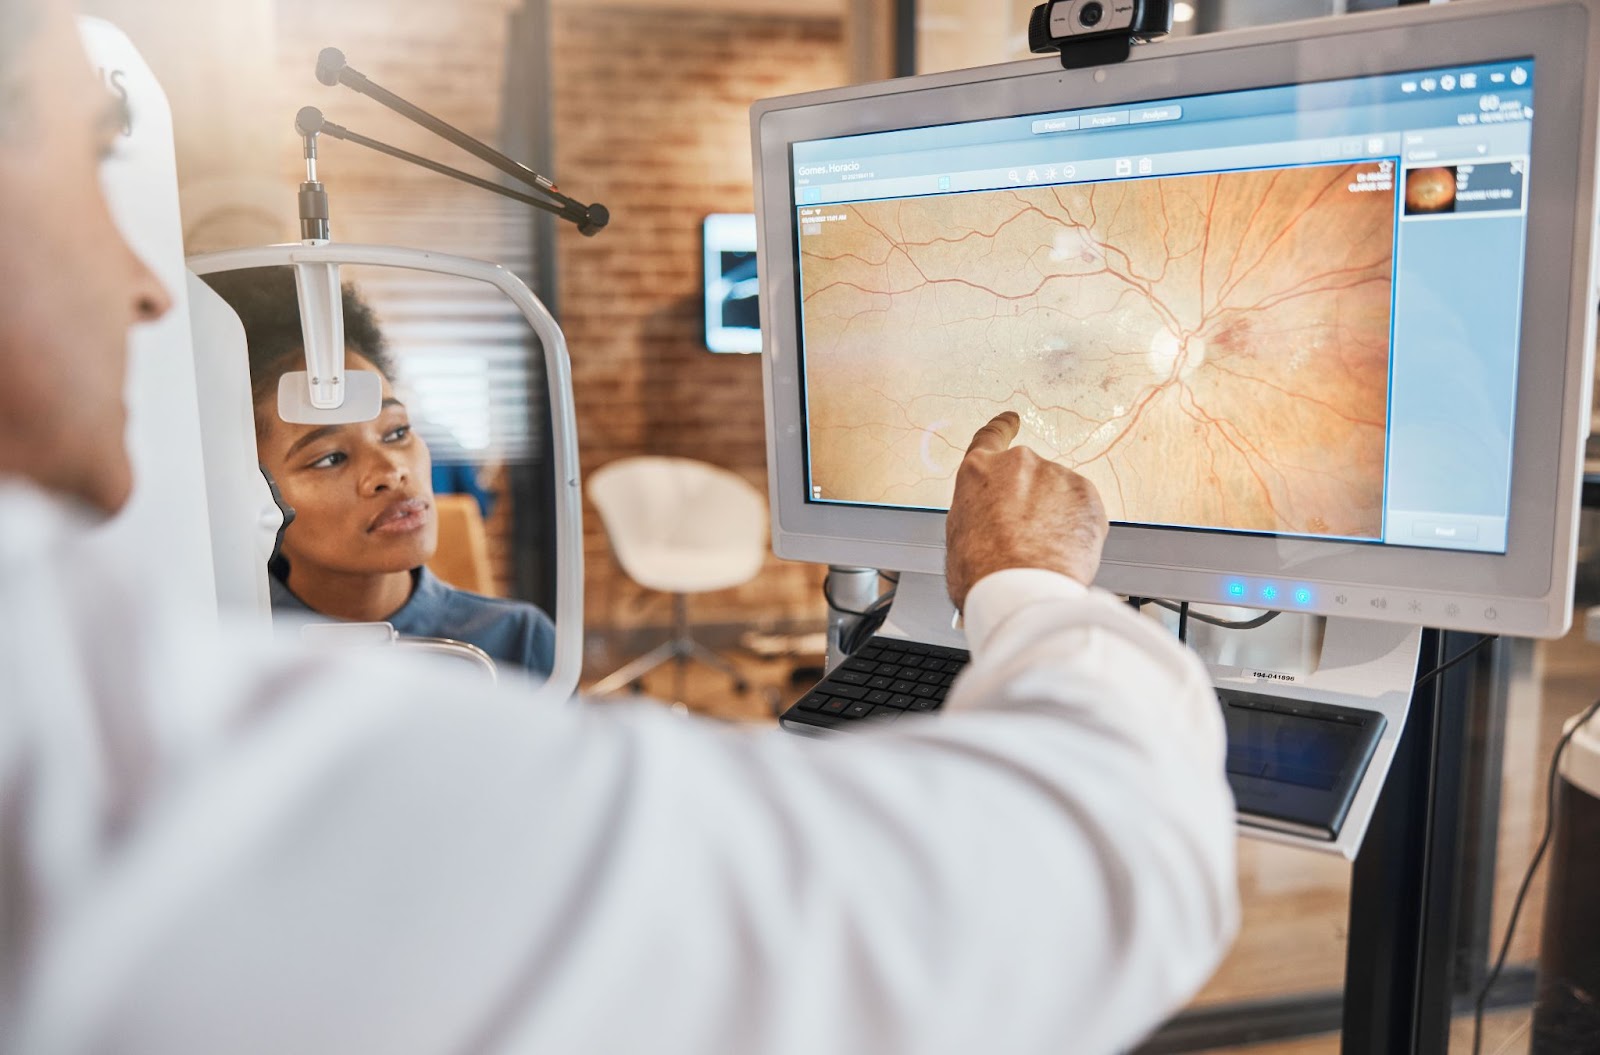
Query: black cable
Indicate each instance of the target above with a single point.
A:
(866, 625)
(1457, 658)
(1200, 617)
(1533, 866)
(1183, 622)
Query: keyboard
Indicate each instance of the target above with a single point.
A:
(885, 679)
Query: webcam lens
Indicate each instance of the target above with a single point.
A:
(1090, 14)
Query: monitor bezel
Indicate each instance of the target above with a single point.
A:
(1527, 590)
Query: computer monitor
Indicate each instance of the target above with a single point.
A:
(1310, 305)
(733, 322)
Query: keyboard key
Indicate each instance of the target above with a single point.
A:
(866, 666)
(859, 709)
(891, 656)
(925, 705)
(880, 683)
(848, 692)
(902, 686)
(870, 652)
(884, 715)
(932, 677)
(901, 699)
(878, 696)
(835, 706)
(923, 691)
(814, 701)
(848, 677)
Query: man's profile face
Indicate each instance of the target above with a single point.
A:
(69, 285)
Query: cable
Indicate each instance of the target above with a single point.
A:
(1533, 865)
(866, 625)
(1200, 617)
(1183, 622)
(1457, 658)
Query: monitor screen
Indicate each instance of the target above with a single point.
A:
(1245, 311)
(1310, 305)
(733, 320)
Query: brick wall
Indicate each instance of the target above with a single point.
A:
(652, 118)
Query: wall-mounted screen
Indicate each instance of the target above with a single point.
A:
(733, 322)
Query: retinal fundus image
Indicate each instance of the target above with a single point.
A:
(1430, 190)
(1209, 350)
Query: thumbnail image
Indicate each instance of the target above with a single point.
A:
(1430, 190)
(1210, 350)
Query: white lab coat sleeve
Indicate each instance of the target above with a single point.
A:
(378, 862)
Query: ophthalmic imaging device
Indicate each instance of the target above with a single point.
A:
(1311, 305)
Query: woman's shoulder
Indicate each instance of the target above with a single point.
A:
(509, 630)
(457, 605)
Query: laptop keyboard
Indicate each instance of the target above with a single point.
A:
(882, 681)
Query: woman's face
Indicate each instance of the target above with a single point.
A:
(362, 493)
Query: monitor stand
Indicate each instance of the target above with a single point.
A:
(1298, 671)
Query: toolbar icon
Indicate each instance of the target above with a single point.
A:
(1013, 177)
(1448, 82)
(1408, 87)
(1033, 174)
(1497, 78)
(1469, 82)
(1429, 84)
(1124, 167)
(1519, 75)
(1068, 171)
(1146, 166)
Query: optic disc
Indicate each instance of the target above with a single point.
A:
(1167, 350)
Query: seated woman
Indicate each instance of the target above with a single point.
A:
(364, 526)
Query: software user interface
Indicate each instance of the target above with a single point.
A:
(1292, 310)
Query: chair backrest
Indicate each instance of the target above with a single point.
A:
(462, 559)
(653, 503)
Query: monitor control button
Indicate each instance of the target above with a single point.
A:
(1380, 603)
(1452, 609)
(1340, 599)
(1414, 606)
(1490, 613)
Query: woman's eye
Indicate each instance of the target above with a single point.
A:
(398, 434)
(328, 461)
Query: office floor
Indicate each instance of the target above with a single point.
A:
(1295, 903)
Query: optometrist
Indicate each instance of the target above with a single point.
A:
(358, 859)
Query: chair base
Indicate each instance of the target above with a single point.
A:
(681, 649)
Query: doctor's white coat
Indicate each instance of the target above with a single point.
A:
(206, 847)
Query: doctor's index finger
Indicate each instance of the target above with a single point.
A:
(998, 434)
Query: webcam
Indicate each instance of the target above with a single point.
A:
(1096, 32)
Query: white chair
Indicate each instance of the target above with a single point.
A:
(679, 526)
